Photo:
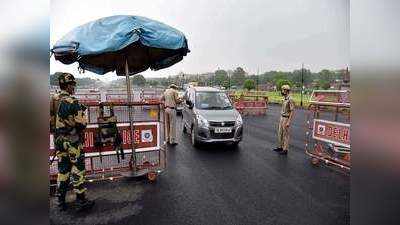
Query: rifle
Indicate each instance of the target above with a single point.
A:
(98, 144)
(118, 148)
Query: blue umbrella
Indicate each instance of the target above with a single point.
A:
(125, 44)
(106, 44)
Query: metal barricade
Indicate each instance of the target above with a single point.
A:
(250, 103)
(328, 128)
(254, 108)
(149, 157)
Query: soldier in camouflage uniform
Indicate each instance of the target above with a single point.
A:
(67, 122)
(287, 113)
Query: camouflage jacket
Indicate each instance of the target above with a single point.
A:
(54, 103)
(69, 115)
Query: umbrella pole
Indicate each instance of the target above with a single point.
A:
(128, 90)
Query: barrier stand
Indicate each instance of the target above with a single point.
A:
(253, 107)
(328, 128)
(148, 136)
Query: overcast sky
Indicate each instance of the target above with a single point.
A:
(254, 34)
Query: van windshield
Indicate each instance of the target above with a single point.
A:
(213, 100)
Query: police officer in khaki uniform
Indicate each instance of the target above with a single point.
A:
(171, 99)
(285, 120)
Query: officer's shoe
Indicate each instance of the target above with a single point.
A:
(283, 152)
(277, 149)
(62, 205)
(82, 203)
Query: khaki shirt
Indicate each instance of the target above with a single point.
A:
(287, 106)
(170, 98)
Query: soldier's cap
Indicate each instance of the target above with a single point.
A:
(173, 86)
(65, 78)
(285, 87)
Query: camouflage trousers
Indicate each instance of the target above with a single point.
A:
(71, 163)
(283, 134)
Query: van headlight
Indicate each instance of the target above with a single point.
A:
(201, 121)
(239, 120)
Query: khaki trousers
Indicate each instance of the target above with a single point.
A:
(283, 134)
(170, 128)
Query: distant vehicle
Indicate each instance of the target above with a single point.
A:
(179, 107)
(209, 116)
(190, 84)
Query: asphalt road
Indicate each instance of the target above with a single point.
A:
(219, 185)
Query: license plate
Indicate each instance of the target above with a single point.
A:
(222, 130)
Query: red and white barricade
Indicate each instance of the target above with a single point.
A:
(255, 108)
(148, 157)
(328, 128)
(85, 98)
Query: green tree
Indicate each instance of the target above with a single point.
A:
(296, 77)
(163, 81)
(138, 80)
(279, 75)
(323, 84)
(86, 81)
(267, 77)
(327, 75)
(249, 84)
(153, 82)
(53, 80)
(281, 82)
(220, 77)
(238, 76)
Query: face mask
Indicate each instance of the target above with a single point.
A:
(72, 89)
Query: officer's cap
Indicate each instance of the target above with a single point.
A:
(65, 78)
(173, 86)
(285, 87)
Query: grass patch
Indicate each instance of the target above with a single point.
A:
(274, 96)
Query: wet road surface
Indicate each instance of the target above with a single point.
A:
(216, 184)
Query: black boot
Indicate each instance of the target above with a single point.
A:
(62, 205)
(82, 203)
(279, 149)
(283, 152)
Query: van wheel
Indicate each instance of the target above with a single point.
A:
(193, 135)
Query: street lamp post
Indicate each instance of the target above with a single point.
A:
(183, 80)
(302, 84)
(229, 78)
(257, 84)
